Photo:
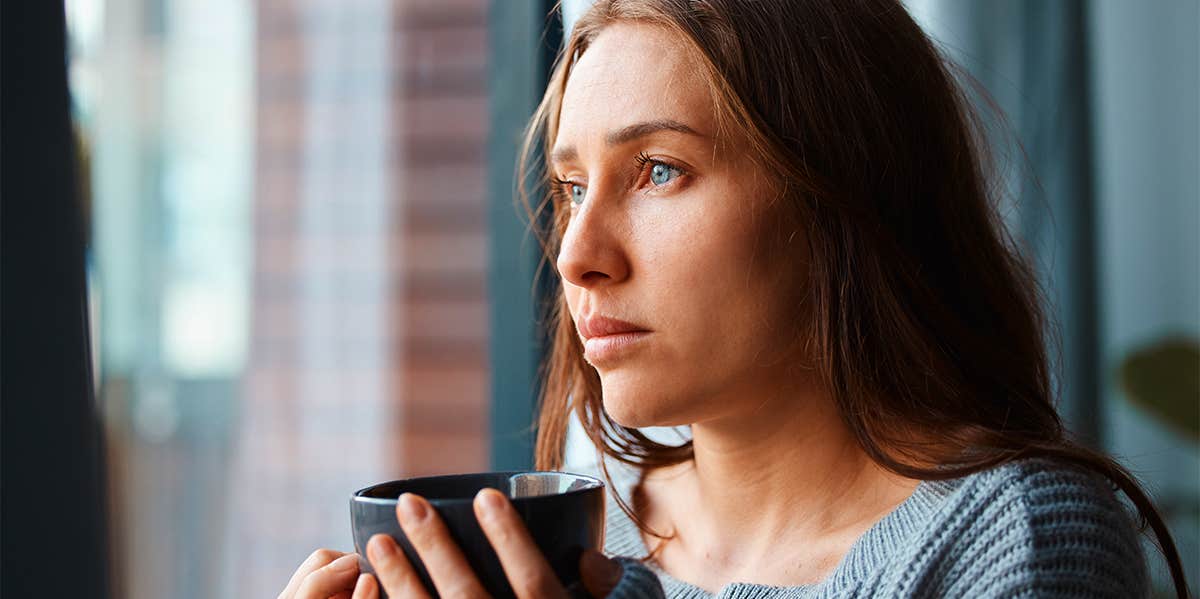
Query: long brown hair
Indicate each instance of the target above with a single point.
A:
(921, 309)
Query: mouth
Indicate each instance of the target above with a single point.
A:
(607, 339)
(607, 349)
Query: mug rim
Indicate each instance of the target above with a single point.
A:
(359, 497)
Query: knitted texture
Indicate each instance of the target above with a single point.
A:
(1030, 528)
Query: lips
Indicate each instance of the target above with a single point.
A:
(608, 341)
(603, 326)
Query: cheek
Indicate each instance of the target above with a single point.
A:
(571, 293)
(711, 270)
(711, 279)
(711, 288)
(732, 284)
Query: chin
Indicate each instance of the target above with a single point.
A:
(636, 405)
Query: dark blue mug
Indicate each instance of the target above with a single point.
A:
(564, 514)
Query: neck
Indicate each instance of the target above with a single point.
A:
(788, 471)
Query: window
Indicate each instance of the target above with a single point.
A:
(288, 270)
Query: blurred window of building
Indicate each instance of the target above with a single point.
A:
(287, 266)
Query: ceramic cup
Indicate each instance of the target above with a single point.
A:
(564, 514)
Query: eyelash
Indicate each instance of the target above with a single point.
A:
(642, 159)
(558, 190)
(559, 186)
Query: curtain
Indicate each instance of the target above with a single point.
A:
(1102, 99)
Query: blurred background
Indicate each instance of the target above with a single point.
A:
(306, 273)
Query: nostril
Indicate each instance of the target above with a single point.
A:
(592, 277)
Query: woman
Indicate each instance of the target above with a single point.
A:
(773, 223)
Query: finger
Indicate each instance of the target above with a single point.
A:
(316, 559)
(600, 575)
(329, 580)
(524, 565)
(367, 588)
(444, 561)
(395, 574)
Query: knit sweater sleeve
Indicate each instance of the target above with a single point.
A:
(1045, 532)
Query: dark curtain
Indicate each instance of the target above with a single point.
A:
(53, 492)
(1032, 58)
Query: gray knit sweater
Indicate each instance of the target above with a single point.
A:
(1026, 529)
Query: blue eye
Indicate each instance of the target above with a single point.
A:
(569, 190)
(660, 173)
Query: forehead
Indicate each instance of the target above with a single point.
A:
(633, 72)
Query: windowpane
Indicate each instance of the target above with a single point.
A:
(288, 269)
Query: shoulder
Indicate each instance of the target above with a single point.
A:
(1042, 528)
(1039, 484)
(1052, 501)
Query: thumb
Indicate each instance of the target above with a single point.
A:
(600, 574)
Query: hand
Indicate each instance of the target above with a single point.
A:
(326, 574)
(524, 565)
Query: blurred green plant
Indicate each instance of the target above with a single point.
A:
(1163, 379)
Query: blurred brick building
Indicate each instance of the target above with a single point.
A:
(438, 231)
(369, 337)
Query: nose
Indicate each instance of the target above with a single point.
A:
(593, 251)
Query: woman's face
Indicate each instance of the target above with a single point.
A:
(666, 233)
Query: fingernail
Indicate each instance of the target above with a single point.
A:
(381, 546)
(412, 509)
(345, 562)
(490, 502)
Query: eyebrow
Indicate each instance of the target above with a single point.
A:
(626, 134)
